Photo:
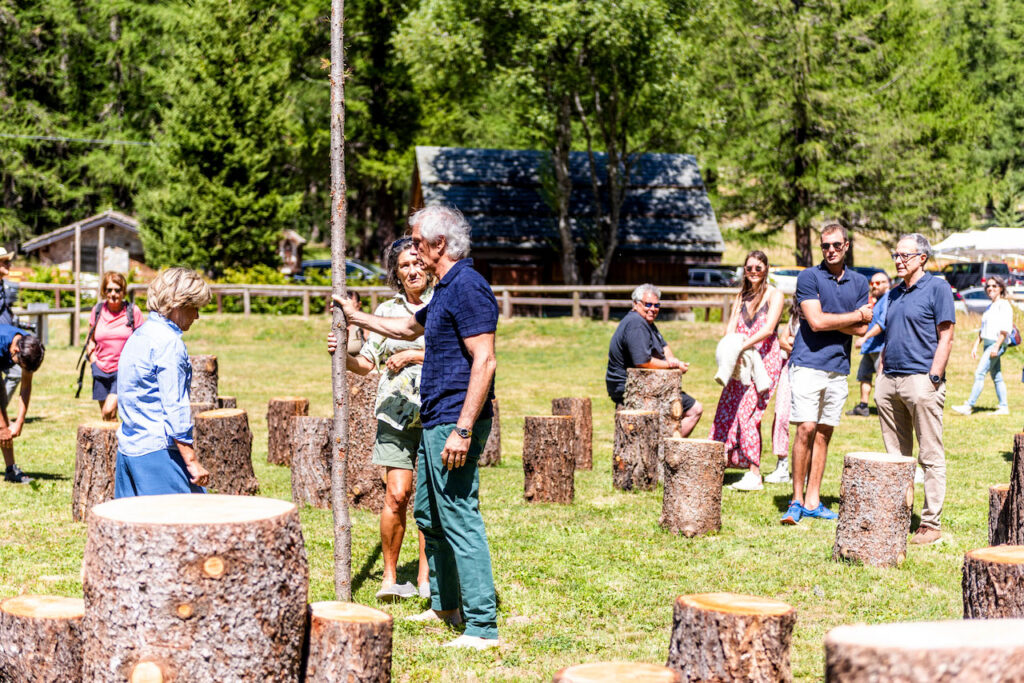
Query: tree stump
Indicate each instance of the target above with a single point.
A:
(996, 501)
(311, 461)
(635, 452)
(204, 379)
(280, 411)
(661, 391)
(993, 583)
(366, 481)
(947, 651)
(223, 445)
(616, 672)
(198, 407)
(1012, 519)
(730, 637)
(227, 402)
(348, 642)
(876, 499)
(694, 473)
(583, 428)
(491, 455)
(95, 461)
(194, 588)
(41, 638)
(548, 459)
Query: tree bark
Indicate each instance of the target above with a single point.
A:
(993, 583)
(366, 481)
(204, 379)
(548, 460)
(583, 428)
(41, 638)
(280, 412)
(491, 456)
(876, 500)
(730, 637)
(311, 461)
(996, 501)
(635, 452)
(198, 407)
(614, 672)
(95, 461)
(661, 391)
(1012, 518)
(694, 473)
(194, 587)
(223, 445)
(348, 642)
(227, 402)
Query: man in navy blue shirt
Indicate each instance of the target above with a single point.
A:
(18, 349)
(456, 386)
(911, 391)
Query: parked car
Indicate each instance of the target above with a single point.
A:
(973, 274)
(354, 269)
(869, 271)
(975, 299)
(712, 277)
(784, 278)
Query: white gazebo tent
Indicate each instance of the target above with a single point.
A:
(1003, 244)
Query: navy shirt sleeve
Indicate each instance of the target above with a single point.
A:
(421, 316)
(942, 303)
(477, 311)
(638, 341)
(806, 286)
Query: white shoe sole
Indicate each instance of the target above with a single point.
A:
(473, 642)
(430, 615)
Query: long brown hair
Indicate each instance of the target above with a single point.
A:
(748, 287)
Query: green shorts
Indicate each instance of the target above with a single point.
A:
(396, 447)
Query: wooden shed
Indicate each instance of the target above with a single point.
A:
(667, 225)
(111, 233)
(289, 249)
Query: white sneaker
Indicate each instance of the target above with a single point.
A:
(452, 619)
(1002, 410)
(919, 475)
(474, 642)
(963, 410)
(424, 591)
(749, 482)
(781, 473)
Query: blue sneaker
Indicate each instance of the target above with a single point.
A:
(820, 512)
(794, 513)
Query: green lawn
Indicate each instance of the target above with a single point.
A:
(587, 582)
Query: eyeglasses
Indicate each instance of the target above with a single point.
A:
(897, 256)
(650, 305)
(992, 287)
(754, 269)
(113, 290)
(837, 246)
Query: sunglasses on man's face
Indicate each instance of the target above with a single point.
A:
(647, 304)
(837, 246)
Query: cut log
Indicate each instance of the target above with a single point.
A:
(993, 583)
(635, 452)
(694, 473)
(1012, 519)
(548, 459)
(876, 498)
(41, 638)
(996, 500)
(660, 391)
(583, 428)
(227, 402)
(223, 445)
(311, 461)
(348, 642)
(730, 637)
(204, 379)
(612, 672)
(491, 456)
(947, 651)
(198, 407)
(367, 482)
(280, 411)
(194, 588)
(95, 461)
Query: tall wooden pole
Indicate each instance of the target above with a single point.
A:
(75, 322)
(339, 463)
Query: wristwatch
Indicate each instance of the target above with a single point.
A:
(936, 379)
(463, 432)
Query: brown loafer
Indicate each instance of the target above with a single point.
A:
(925, 535)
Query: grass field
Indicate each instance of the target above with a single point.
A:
(587, 582)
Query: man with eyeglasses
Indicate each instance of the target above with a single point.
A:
(834, 306)
(872, 343)
(637, 343)
(911, 392)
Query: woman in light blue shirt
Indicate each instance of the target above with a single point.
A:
(154, 442)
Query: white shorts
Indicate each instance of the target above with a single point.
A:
(816, 395)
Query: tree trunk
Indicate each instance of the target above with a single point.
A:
(280, 412)
(548, 460)
(694, 473)
(311, 461)
(876, 500)
(996, 501)
(194, 587)
(661, 391)
(41, 638)
(204, 379)
(635, 453)
(348, 642)
(947, 651)
(366, 481)
(993, 583)
(583, 428)
(223, 445)
(95, 461)
(199, 407)
(614, 672)
(730, 637)
(563, 189)
(1012, 518)
(227, 402)
(491, 456)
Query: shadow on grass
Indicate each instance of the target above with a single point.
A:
(47, 476)
(1007, 456)
(782, 502)
(364, 571)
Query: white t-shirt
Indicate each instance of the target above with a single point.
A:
(998, 318)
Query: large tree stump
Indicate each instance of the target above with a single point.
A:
(583, 428)
(204, 379)
(996, 500)
(491, 455)
(348, 642)
(366, 482)
(1012, 519)
(694, 473)
(41, 638)
(661, 391)
(548, 459)
(730, 637)
(194, 588)
(947, 651)
(616, 672)
(227, 402)
(223, 445)
(993, 583)
(280, 411)
(199, 407)
(311, 461)
(95, 461)
(876, 499)
(635, 462)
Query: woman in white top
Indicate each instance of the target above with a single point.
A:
(996, 324)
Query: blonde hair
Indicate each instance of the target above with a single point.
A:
(177, 288)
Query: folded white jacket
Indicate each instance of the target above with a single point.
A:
(746, 367)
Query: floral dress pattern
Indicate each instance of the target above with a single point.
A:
(740, 408)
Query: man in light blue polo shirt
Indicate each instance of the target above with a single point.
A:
(872, 343)
(834, 305)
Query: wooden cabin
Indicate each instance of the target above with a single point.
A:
(111, 233)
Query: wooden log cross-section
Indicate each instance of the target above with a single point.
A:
(280, 411)
(200, 407)
(223, 445)
(730, 637)
(549, 464)
(583, 428)
(227, 402)
(366, 482)
(348, 642)
(616, 672)
(996, 500)
(194, 588)
(491, 455)
(993, 583)
(876, 499)
(635, 462)
(95, 460)
(204, 379)
(311, 461)
(694, 473)
(41, 638)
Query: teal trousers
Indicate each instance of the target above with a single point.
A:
(447, 511)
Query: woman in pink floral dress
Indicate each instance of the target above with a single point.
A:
(755, 315)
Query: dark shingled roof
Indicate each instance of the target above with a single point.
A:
(500, 192)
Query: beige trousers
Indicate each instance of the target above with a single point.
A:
(912, 405)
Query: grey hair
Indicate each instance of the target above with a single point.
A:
(444, 221)
(177, 288)
(923, 245)
(646, 288)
